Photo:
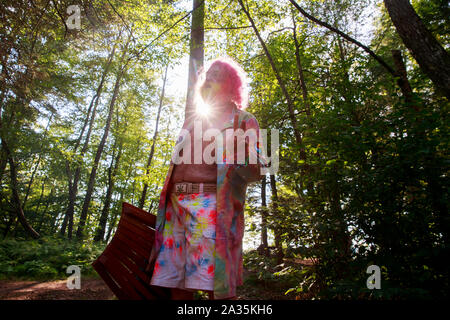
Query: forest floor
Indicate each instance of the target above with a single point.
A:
(96, 289)
(91, 289)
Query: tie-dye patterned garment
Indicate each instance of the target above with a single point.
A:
(232, 181)
(186, 257)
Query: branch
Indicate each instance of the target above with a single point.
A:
(61, 17)
(276, 31)
(226, 28)
(346, 37)
(167, 30)
(123, 20)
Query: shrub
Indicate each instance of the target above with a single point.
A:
(46, 258)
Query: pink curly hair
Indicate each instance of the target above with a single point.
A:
(234, 82)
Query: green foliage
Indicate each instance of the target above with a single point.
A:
(264, 273)
(373, 186)
(46, 258)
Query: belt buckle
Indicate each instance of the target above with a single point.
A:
(184, 187)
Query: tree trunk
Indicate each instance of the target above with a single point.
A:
(150, 207)
(73, 184)
(432, 58)
(40, 197)
(301, 78)
(112, 171)
(15, 193)
(94, 101)
(90, 187)
(7, 153)
(3, 163)
(276, 230)
(263, 248)
(152, 151)
(39, 227)
(37, 164)
(11, 220)
(403, 81)
(130, 173)
(112, 225)
(196, 53)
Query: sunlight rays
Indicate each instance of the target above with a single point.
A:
(203, 109)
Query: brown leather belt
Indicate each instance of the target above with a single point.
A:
(188, 187)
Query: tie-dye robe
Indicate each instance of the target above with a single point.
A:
(232, 181)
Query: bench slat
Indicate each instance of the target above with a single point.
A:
(124, 262)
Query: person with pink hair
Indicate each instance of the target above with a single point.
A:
(227, 75)
(200, 221)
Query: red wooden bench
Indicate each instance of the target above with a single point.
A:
(123, 263)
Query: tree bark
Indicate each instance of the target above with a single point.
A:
(112, 171)
(130, 173)
(7, 153)
(15, 193)
(403, 81)
(3, 163)
(37, 165)
(40, 198)
(112, 224)
(263, 248)
(277, 231)
(155, 135)
(301, 78)
(432, 58)
(196, 53)
(41, 222)
(150, 207)
(92, 176)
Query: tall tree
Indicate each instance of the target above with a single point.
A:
(263, 248)
(301, 76)
(37, 163)
(155, 135)
(15, 192)
(90, 188)
(197, 50)
(276, 228)
(89, 122)
(112, 172)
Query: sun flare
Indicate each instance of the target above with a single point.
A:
(203, 108)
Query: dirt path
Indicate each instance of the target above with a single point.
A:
(91, 289)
